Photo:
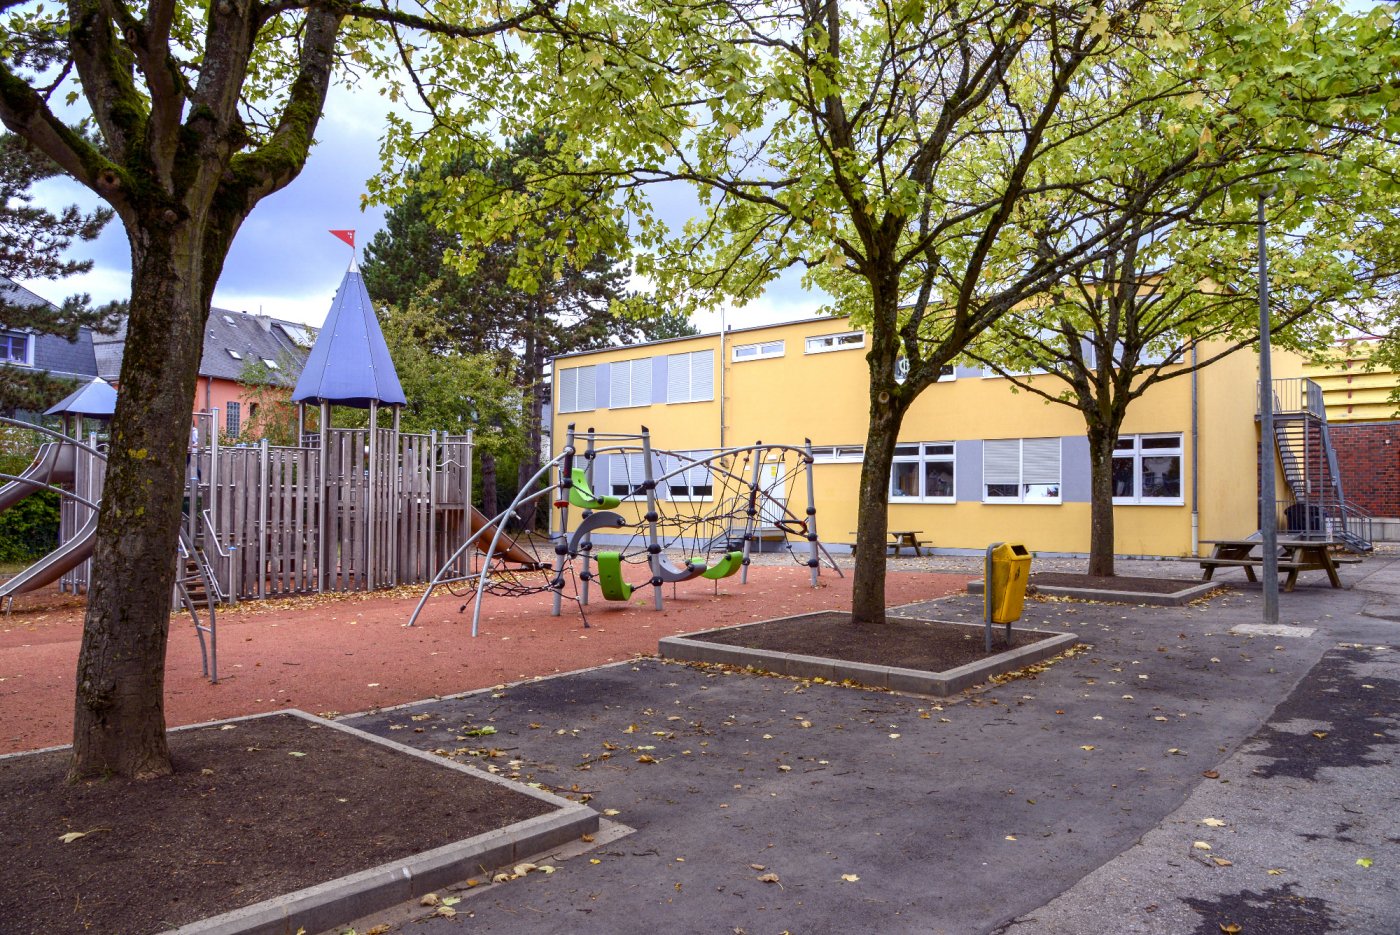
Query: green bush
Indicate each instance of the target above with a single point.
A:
(29, 529)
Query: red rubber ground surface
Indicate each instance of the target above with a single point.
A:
(344, 653)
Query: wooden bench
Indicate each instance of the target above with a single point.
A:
(899, 539)
(1296, 555)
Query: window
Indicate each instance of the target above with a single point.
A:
(234, 354)
(1021, 470)
(838, 454)
(1147, 469)
(758, 351)
(847, 341)
(629, 383)
(231, 425)
(575, 391)
(270, 364)
(690, 377)
(696, 482)
(923, 473)
(946, 373)
(14, 348)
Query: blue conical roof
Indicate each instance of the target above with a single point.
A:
(349, 365)
(97, 398)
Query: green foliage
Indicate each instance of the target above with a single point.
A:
(29, 529)
(267, 399)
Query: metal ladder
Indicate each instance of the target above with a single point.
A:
(196, 589)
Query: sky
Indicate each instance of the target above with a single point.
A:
(284, 262)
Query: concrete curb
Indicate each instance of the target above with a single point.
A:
(692, 647)
(1174, 599)
(326, 905)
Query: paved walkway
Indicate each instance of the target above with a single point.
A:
(1070, 802)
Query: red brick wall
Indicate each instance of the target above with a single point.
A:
(1368, 456)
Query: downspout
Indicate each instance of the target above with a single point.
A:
(1195, 460)
(723, 371)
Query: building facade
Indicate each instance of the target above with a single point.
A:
(977, 462)
(67, 360)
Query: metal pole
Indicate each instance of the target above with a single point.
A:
(432, 499)
(653, 544)
(262, 518)
(562, 500)
(589, 472)
(323, 552)
(1268, 512)
(368, 504)
(751, 514)
(813, 562)
(396, 509)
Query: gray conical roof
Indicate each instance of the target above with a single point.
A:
(97, 398)
(349, 364)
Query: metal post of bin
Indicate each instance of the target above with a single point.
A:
(987, 596)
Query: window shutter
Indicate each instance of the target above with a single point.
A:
(568, 390)
(702, 365)
(1040, 461)
(641, 382)
(677, 378)
(585, 394)
(620, 384)
(1001, 461)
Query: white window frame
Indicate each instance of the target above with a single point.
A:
(688, 390)
(28, 339)
(685, 483)
(829, 343)
(1137, 452)
(1037, 475)
(838, 454)
(763, 350)
(925, 453)
(635, 377)
(569, 383)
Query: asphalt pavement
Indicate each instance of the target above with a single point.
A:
(1183, 772)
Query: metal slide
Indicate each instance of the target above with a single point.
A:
(56, 564)
(52, 465)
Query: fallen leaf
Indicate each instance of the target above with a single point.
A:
(1211, 774)
(1011, 837)
(1319, 734)
(294, 753)
(1201, 846)
(1222, 862)
(447, 912)
(586, 838)
(1213, 822)
(611, 811)
(646, 758)
(1363, 861)
(759, 867)
(768, 878)
(1231, 929)
(1087, 746)
(785, 768)
(850, 878)
(72, 836)
(1276, 872)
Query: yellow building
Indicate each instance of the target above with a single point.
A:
(977, 462)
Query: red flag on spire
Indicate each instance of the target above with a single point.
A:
(347, 236)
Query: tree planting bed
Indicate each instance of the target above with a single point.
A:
(1122, 589)
(258, 808)
(905, 654)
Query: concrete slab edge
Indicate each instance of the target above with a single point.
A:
(326, 905)
(693, 648)
(1174, 599)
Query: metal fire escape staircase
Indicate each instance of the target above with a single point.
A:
(1316, 506)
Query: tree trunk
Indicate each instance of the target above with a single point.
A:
(530, 458)
(1101, 503)
(488, 484)
(872, 521)
(119, 721)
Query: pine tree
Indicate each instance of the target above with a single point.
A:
(33, 245)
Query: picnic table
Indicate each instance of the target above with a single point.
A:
(902, 538)
(1295, 555)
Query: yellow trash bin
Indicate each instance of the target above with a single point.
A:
(1005, 590)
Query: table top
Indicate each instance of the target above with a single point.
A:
(1282, 542)
(905, 532)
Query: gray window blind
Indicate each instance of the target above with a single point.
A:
(690, 377)
(1001, 461)
(1040, 461)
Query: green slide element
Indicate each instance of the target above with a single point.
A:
(581, 495)
(724, 567)
(610, 577)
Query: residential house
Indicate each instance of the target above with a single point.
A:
(232, 341)
(61, 358)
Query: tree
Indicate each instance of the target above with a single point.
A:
(930, 164)
(1166, 306)
(34, 244)
(200, 112)
(268, 392)
(522, 306)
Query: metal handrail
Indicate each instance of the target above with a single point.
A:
(1297, 395)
